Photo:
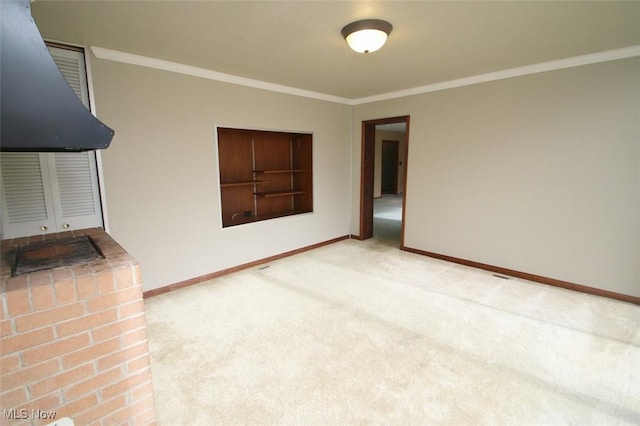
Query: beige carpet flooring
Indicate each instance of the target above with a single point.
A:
(361, 333)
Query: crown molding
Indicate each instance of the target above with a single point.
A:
(145, 61)
(575, 61)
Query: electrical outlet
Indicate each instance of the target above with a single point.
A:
(247, 213)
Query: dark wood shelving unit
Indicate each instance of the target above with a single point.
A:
(246, 157)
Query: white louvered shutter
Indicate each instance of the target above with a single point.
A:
(77, 199)
(72, 67)
(27, 205)
(47, 192)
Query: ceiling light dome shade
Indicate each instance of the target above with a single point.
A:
(367, 35)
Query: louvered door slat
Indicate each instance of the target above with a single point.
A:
(23, 188)
(71, 66)
(75, 184)
(27, 206)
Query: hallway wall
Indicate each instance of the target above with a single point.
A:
(381, 135)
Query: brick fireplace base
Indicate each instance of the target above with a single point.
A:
(74, 340)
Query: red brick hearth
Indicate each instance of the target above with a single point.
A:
(74, 341)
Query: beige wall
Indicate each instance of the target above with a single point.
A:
(161, 172)
(539, 174)
(377, 171)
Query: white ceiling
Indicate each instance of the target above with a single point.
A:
(298, 43)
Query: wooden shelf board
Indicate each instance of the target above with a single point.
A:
(270, 194)
(266, 172)
(240, 220)
(242, 183)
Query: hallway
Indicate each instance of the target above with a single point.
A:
(387, 218)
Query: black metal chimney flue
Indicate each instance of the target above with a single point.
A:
(38, 110)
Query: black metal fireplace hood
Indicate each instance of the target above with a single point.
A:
(38, 110)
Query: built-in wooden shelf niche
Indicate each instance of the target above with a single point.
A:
(264, 175)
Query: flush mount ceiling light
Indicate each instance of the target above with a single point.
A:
(367, 35)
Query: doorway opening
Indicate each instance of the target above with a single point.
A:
(383, 179)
